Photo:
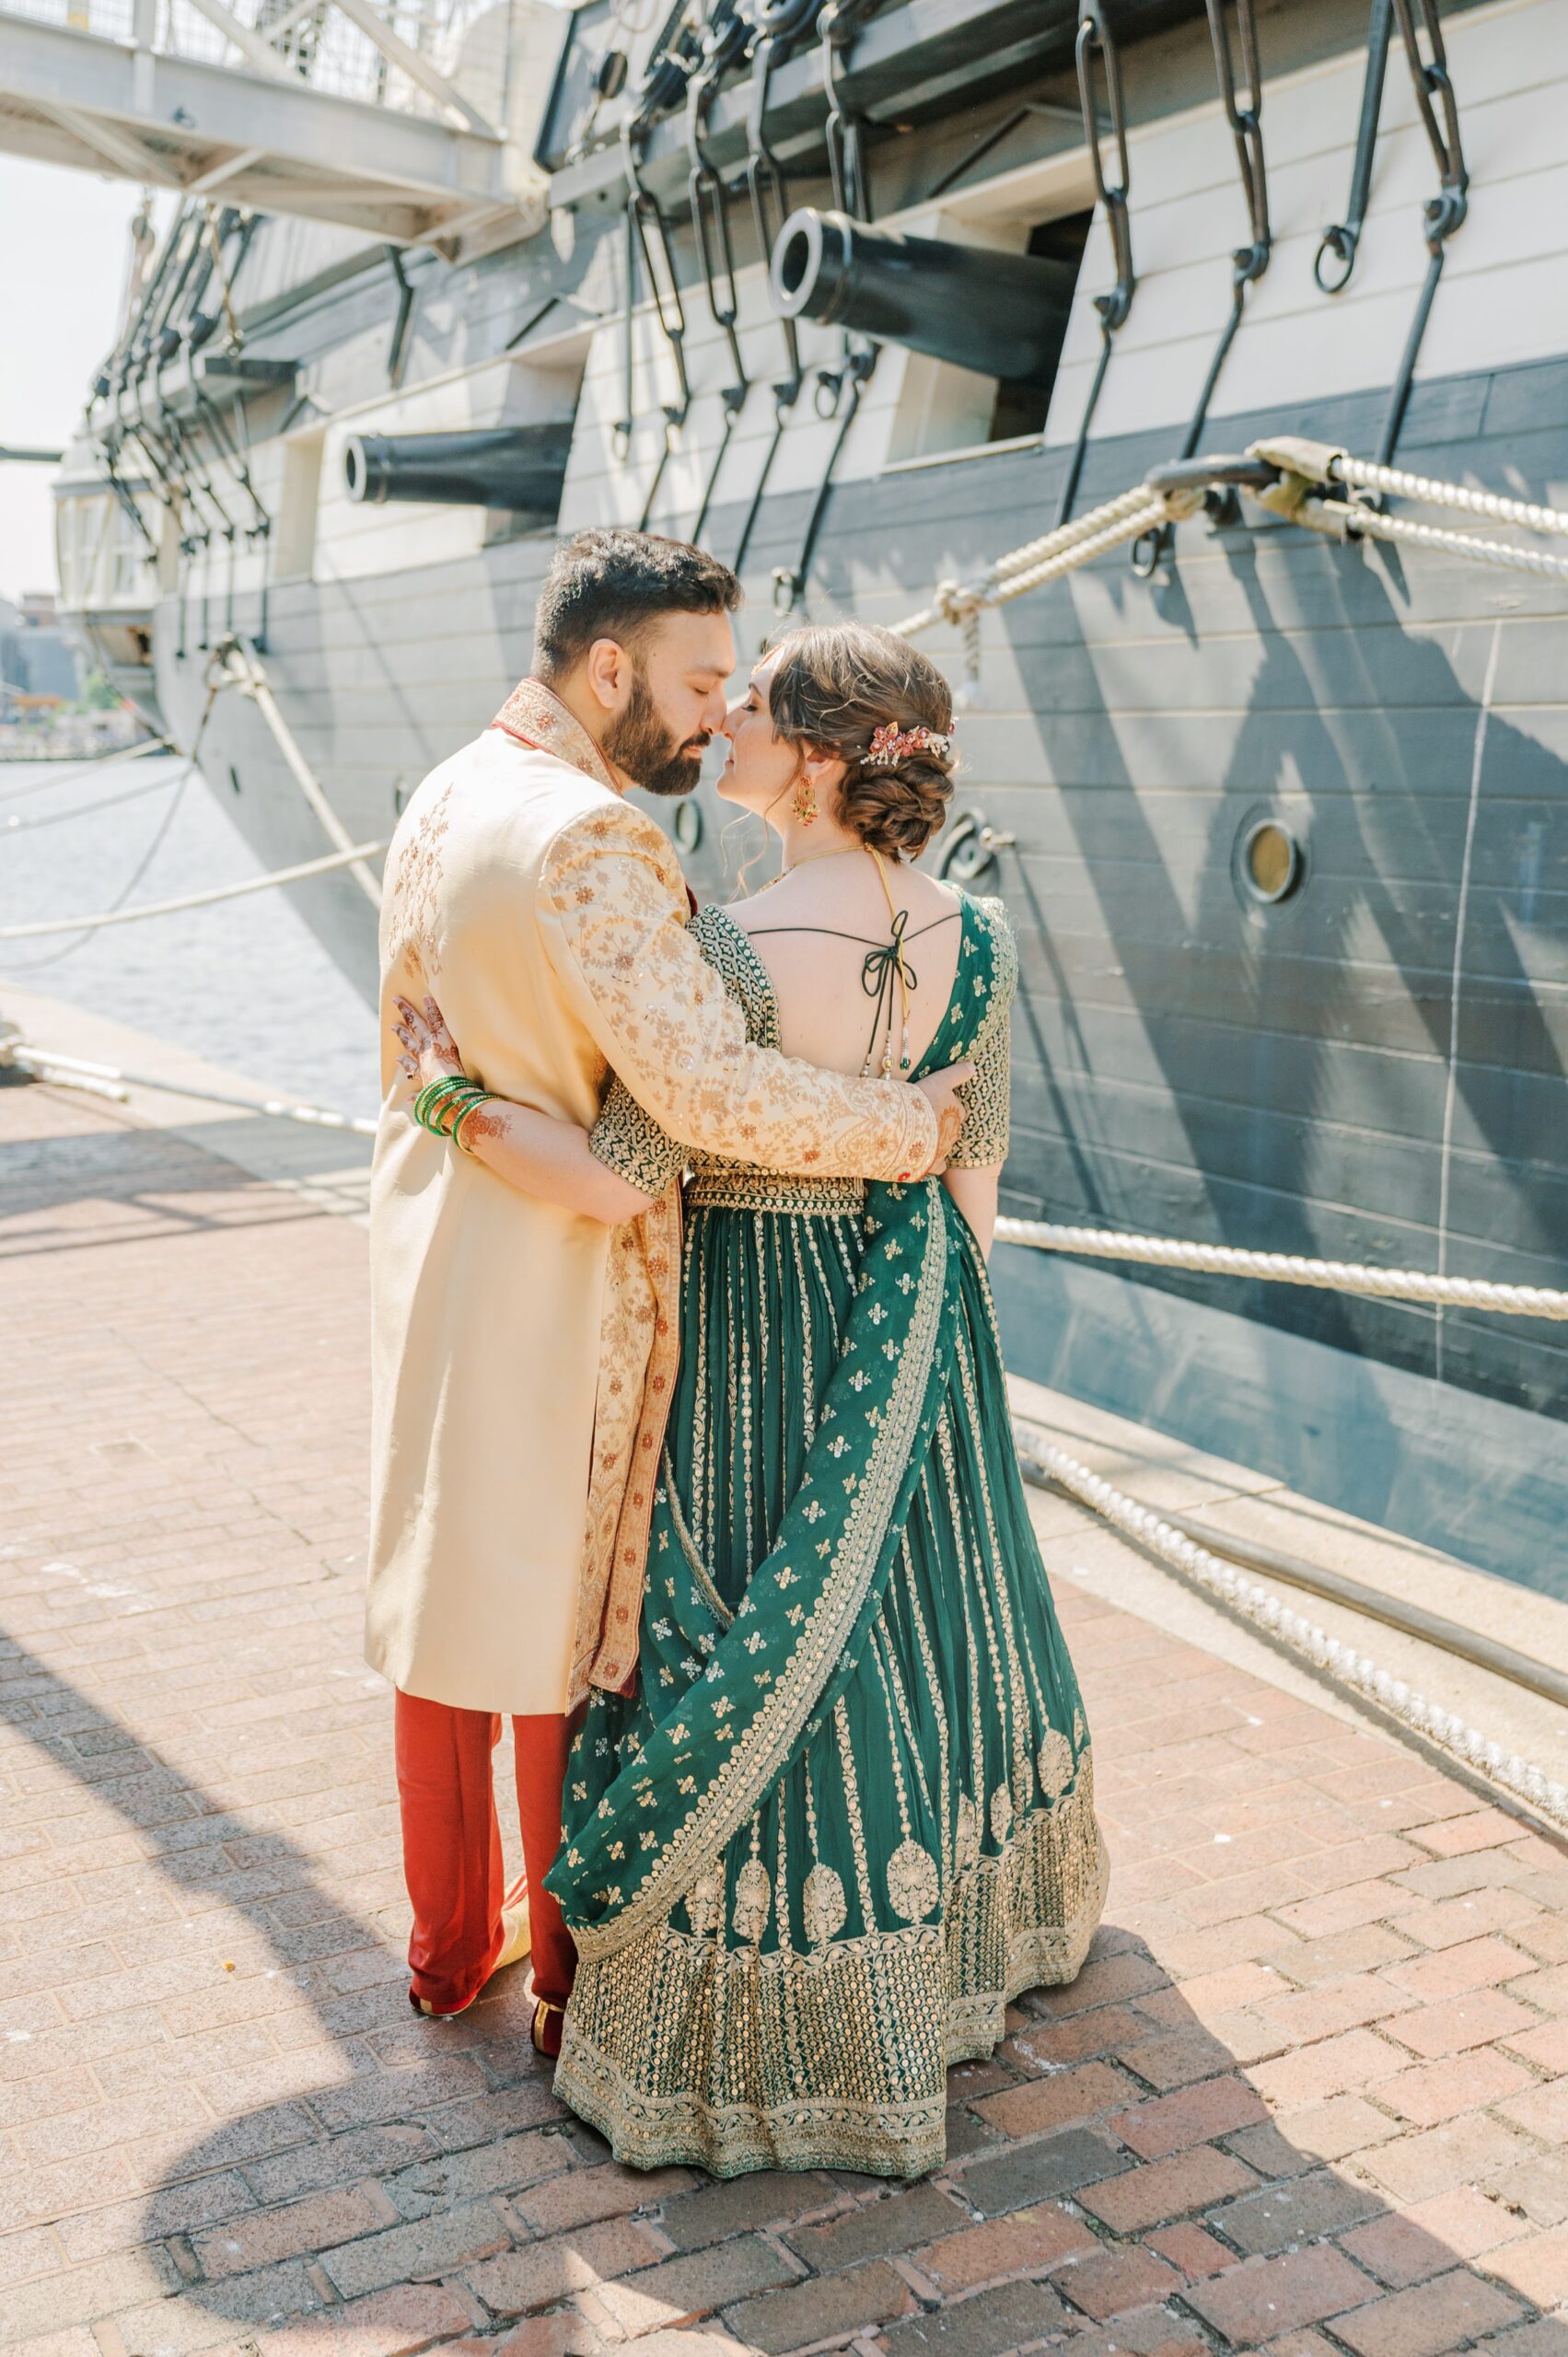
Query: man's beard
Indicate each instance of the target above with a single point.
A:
(642, 744)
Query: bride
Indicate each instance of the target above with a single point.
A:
(846, 1812)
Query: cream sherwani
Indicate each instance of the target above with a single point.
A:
(520, 1353)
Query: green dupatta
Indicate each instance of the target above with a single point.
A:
(750, 1690)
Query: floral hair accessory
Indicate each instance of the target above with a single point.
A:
(892, 745)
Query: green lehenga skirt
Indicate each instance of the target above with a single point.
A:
(848, 1813)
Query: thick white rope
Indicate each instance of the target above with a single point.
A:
(354, 853)
(1052, 554)
(1336, 516)
(1366, 476)
(1341, 1662)
(238, 667)
(1287, 1268)
(108, 1080)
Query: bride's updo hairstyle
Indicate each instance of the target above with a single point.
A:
(834, 686)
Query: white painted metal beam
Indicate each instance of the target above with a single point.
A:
(271, 141)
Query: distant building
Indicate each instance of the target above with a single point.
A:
(36, 657)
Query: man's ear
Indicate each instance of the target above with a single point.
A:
(608, 670)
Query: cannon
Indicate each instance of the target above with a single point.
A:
(1003, 314)
(493, 466)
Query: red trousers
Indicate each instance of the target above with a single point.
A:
(452, 1847)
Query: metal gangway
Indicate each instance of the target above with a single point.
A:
(387, 116)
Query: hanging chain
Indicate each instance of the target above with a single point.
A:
(1248, 262)
(1342, 239)
(1095, 35)
(1444, 213)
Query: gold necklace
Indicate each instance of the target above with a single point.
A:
(845, 852)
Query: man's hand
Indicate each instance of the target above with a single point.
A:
(941, 1088)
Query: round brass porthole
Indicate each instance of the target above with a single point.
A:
(1270, 863)
(687, 825)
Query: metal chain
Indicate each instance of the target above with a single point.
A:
(1444, 213)
(1342, 238)
(1094, 34)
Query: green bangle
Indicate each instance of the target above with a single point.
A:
(452, 1111)
(433, 1096)
(484, 1096)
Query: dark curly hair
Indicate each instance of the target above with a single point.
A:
(612, 584)
(834, 685)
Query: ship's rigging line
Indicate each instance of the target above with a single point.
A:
(838, 392)
(1342, 238)
(1094, 33)
(237, 664)
(646, 228)
(1415, 1285)
(1248, 262)
(1343, 1663)
(710, 224)
(1444, 213)
(1287, 476)
(769, 205)
(300, 872)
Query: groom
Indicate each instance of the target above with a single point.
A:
(521, 1354)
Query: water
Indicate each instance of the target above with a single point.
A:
(244, 984)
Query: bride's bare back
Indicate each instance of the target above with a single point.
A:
(813, 931)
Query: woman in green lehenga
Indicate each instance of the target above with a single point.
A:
(847, 1813)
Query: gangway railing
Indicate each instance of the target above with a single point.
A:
(380, 114)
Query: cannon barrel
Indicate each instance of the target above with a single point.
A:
(1000, 314)
(495, 466)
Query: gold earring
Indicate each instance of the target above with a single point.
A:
(804, 804)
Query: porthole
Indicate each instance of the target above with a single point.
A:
(1270, 863)
(687, 825)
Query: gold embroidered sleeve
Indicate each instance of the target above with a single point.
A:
(612, 916)
(631, 1143)
(982, 1141)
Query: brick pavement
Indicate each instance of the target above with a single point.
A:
(1310, 2094)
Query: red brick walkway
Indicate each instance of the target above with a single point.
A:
(1310, 2094)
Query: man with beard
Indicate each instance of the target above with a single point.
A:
(521, 1352)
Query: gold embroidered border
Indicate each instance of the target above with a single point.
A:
(752, 1768)
(680, 2051)
(735, 1189)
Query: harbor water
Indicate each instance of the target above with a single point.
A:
(245, 984)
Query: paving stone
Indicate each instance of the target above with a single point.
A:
(1429, 2320)
(985, 2326)
(434, 2246)
(1536, 2265)
(1273, 2295)
(1300, 2212)
(1060, 2101)
(1195, 2253)
(682, 2288)
(543, 2272)
(900, 2219)
(271, 2234)
(582, 2196)
(1114, 2281)
(738, 2205)
(827, 2308)
(389, 2323)
(1063, 2164)
(1024, 2242)
(1170, 2189)
(1192, 2115)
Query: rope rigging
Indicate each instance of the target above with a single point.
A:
(1248, 262)
(1094, 36)
(1444, 213)
(1288, 1268)
(724, 43)
(1045, 1460)
(779, 22)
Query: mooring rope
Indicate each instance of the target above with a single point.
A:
(108, 1080)
(356, 853)
(1302, 471)
(1288, 1268)
(1343, 1663)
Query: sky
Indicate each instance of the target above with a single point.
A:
(63, 251)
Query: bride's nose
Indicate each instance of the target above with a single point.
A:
(732, 719)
